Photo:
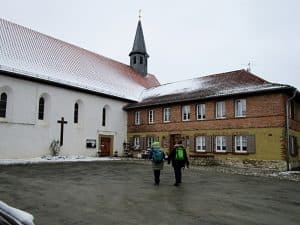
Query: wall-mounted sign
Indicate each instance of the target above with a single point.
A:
(90, 143)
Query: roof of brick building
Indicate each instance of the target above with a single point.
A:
(213, 86)
(34, 55)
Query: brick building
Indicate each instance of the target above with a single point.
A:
(234, 115)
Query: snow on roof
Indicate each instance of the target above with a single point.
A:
(35, 55)
(217, 85)
(20, 215)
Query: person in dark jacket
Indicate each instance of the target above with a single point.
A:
(159, 165)
(178, 164)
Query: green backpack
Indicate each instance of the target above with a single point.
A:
(179, 153)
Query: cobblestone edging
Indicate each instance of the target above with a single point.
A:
(247, 169)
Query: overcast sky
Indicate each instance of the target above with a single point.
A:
(185, 39)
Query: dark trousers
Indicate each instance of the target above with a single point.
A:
(156, 176)
(177, 171)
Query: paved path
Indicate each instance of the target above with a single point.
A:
(119, 192)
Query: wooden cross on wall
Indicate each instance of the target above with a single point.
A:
(62, 123)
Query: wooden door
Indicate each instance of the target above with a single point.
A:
(174, 138)
(105, 146)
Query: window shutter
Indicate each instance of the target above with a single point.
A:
(131, 141)
(213, 143)
(192, 143)
(229, 143)
(251, 144)
(296, 146)
(143, 143)
(208, 140)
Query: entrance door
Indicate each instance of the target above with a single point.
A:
(105, 146)
(174, 138)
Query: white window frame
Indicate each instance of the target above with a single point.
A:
(151, 116)
(221, 143)
(201, 111)
(220, 110)
(240, 108)
(150, 140)
(136, 142)
(186, 113)
(240, 144)
(137, 118)
(201, 144)
(167, 115)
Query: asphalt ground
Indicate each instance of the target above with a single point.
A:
(121, 192)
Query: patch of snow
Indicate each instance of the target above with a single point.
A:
(55, 159)
(22, 216)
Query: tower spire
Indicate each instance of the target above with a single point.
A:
(138, 54)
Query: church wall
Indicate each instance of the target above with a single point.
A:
(22, 135)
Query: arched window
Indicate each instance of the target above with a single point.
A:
(76, 112)
(134, 60)
(103, 117)
(3, 104)
(41, 108)
(141, 60)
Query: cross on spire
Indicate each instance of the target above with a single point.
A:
(140, 14)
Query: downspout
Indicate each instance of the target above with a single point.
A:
(287, 130)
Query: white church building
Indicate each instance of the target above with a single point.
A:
(51, 90)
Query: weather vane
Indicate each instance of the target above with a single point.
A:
(249, 67)
(140, 14)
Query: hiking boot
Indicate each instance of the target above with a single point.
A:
(176, 184)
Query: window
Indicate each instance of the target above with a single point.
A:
(137, 118)
(221, 145)
(167, 114)
(76, 113)
(151, 116)
(241, 144)
(186, 113)
(220, 109)
(41, 108)
(200, 111)
(150, 140)
(200, 144)
(3, 104)
(103, 117)
(134, 60)
(136, 142)
(141, 60)
(240, 108)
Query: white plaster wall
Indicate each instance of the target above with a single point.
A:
(22, 135)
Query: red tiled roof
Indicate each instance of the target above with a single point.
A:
(32, 54)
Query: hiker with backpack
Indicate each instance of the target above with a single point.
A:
(179, 159)
(157, 156)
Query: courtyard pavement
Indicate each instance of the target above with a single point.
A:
(122, 192)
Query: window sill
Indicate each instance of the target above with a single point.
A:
(240, 117)
(220, 118)
(218, 151)
(241, 152)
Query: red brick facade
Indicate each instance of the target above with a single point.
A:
(262, 111)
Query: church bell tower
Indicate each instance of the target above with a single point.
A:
(138, 54)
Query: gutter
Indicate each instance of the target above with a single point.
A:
(288, 101)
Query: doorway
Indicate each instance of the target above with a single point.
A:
(105, 146)
(174, 138)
